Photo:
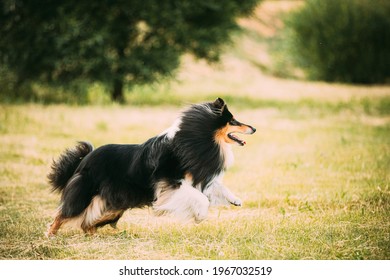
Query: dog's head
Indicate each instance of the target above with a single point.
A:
(201, 139)
(229, 126)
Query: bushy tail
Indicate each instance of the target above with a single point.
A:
(64, 167)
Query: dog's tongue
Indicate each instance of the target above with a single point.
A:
(237, 139)
(240, 141)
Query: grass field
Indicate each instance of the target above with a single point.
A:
(314, 178)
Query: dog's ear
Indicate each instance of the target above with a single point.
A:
(219, 104)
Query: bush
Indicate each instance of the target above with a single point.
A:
(341, 40)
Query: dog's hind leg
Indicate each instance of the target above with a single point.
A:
(114, 221)
(96, 215)
(94, 211)
(109, 217)
(55, 226)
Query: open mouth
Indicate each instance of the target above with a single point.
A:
(236, 139)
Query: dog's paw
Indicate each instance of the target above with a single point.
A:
(236, 201)
(49, 235)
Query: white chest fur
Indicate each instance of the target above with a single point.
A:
(227, 153)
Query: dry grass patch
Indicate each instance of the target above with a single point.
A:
(315, 186)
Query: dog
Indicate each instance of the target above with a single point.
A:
(178, 171)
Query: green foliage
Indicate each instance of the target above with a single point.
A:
(116, 43)
(346, 41)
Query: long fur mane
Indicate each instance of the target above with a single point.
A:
(195, 145)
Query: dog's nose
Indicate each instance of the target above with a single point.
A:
(253, 129)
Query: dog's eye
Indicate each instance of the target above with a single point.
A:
(234, 122)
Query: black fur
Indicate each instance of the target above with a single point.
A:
(194, 143)
(67, 163)
(125, 176)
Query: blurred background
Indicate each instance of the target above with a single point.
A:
(153, 52)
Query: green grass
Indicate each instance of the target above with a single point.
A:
(314, 180)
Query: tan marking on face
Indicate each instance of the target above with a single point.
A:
(222, 134)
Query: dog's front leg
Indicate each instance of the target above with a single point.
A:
(218, 194)
(230, 197)
(185, 202)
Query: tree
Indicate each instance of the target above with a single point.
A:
(118, 43)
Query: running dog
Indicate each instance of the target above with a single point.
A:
(179, 171)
